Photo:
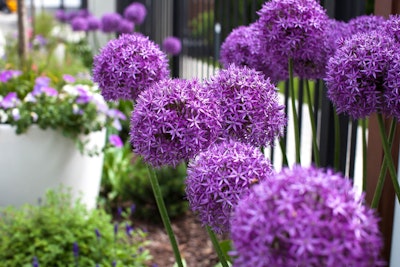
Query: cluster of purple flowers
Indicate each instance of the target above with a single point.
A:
(173, 120)
(172, 45)
(83, 20)
(128, 65)
(305, 217)
(219, 176)
(362, 76)
(249, 104)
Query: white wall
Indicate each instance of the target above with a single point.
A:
(395, 252)
(98, 8)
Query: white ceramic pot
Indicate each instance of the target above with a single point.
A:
(33, 162)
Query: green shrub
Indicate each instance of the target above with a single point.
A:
(125, 181)
(49, 231)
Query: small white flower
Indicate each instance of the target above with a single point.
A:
(30, 98)
(34, 116)
(15, 114)
(3, 116)
(70, 89)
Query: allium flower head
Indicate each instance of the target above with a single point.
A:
(110, 22)
(125, 26)
(366, 23)
(128, 65)
(79, 24)
(172, 45)
(305, 217)
(135, 12)
(93, 23)
(336, 31)
(219, 176)
(356, 73)
(296, 29)
(61, 16)
(172, 121)
(391, 93)
(242, 47)
(392, 27)
(249, 105)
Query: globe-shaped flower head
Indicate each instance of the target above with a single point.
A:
(366, 23)
(135, 12)
(126, 26)
(296, 29)
(356, 73)
(173, 120)
(242, 47)
(79, 24)
(93, 23)
(128, 65)
(249, 105)
(172, 45)
(219, 176)
(392, 27)
(110, 22)
(305, 217)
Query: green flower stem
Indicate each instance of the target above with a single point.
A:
(217, 248)
(383, 171)
(294, 111)
(164, 215)
(364, 153)
(284, 156)
(313, 128)
(336, 160)
(388, 156)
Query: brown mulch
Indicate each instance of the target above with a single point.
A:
(194, 244)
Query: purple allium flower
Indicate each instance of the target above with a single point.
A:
(296, 29)
(110, 22)
(6, 75)
(93, 23)
(79, 24)
(68, 78)
(173, 120)
(249, 105)
(366, 23)
(242, 47)
(172, 45)
(115, 140)
(9, 101)
(128, 65)
(126, 26)
(305, 217)
(83, 13)
(61, 16)
(391, 93)
(135, 12)
(219, 176)
(356, 73)
(336, 31)
(392, 27)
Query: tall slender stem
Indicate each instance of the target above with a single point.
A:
(383, 171)
(284, 156)
(294, 111)
(217, 247)
(364, 154)
(164, 215)
(336, 160)
(313, 127)
(388, 156)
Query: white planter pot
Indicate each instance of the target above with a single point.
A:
(33, 162)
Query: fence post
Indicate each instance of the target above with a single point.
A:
(375, 155)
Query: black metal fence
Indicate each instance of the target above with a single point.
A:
(202, 26)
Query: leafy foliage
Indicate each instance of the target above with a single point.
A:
(50, 230)
(125, 181)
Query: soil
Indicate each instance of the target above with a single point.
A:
(194, 244)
